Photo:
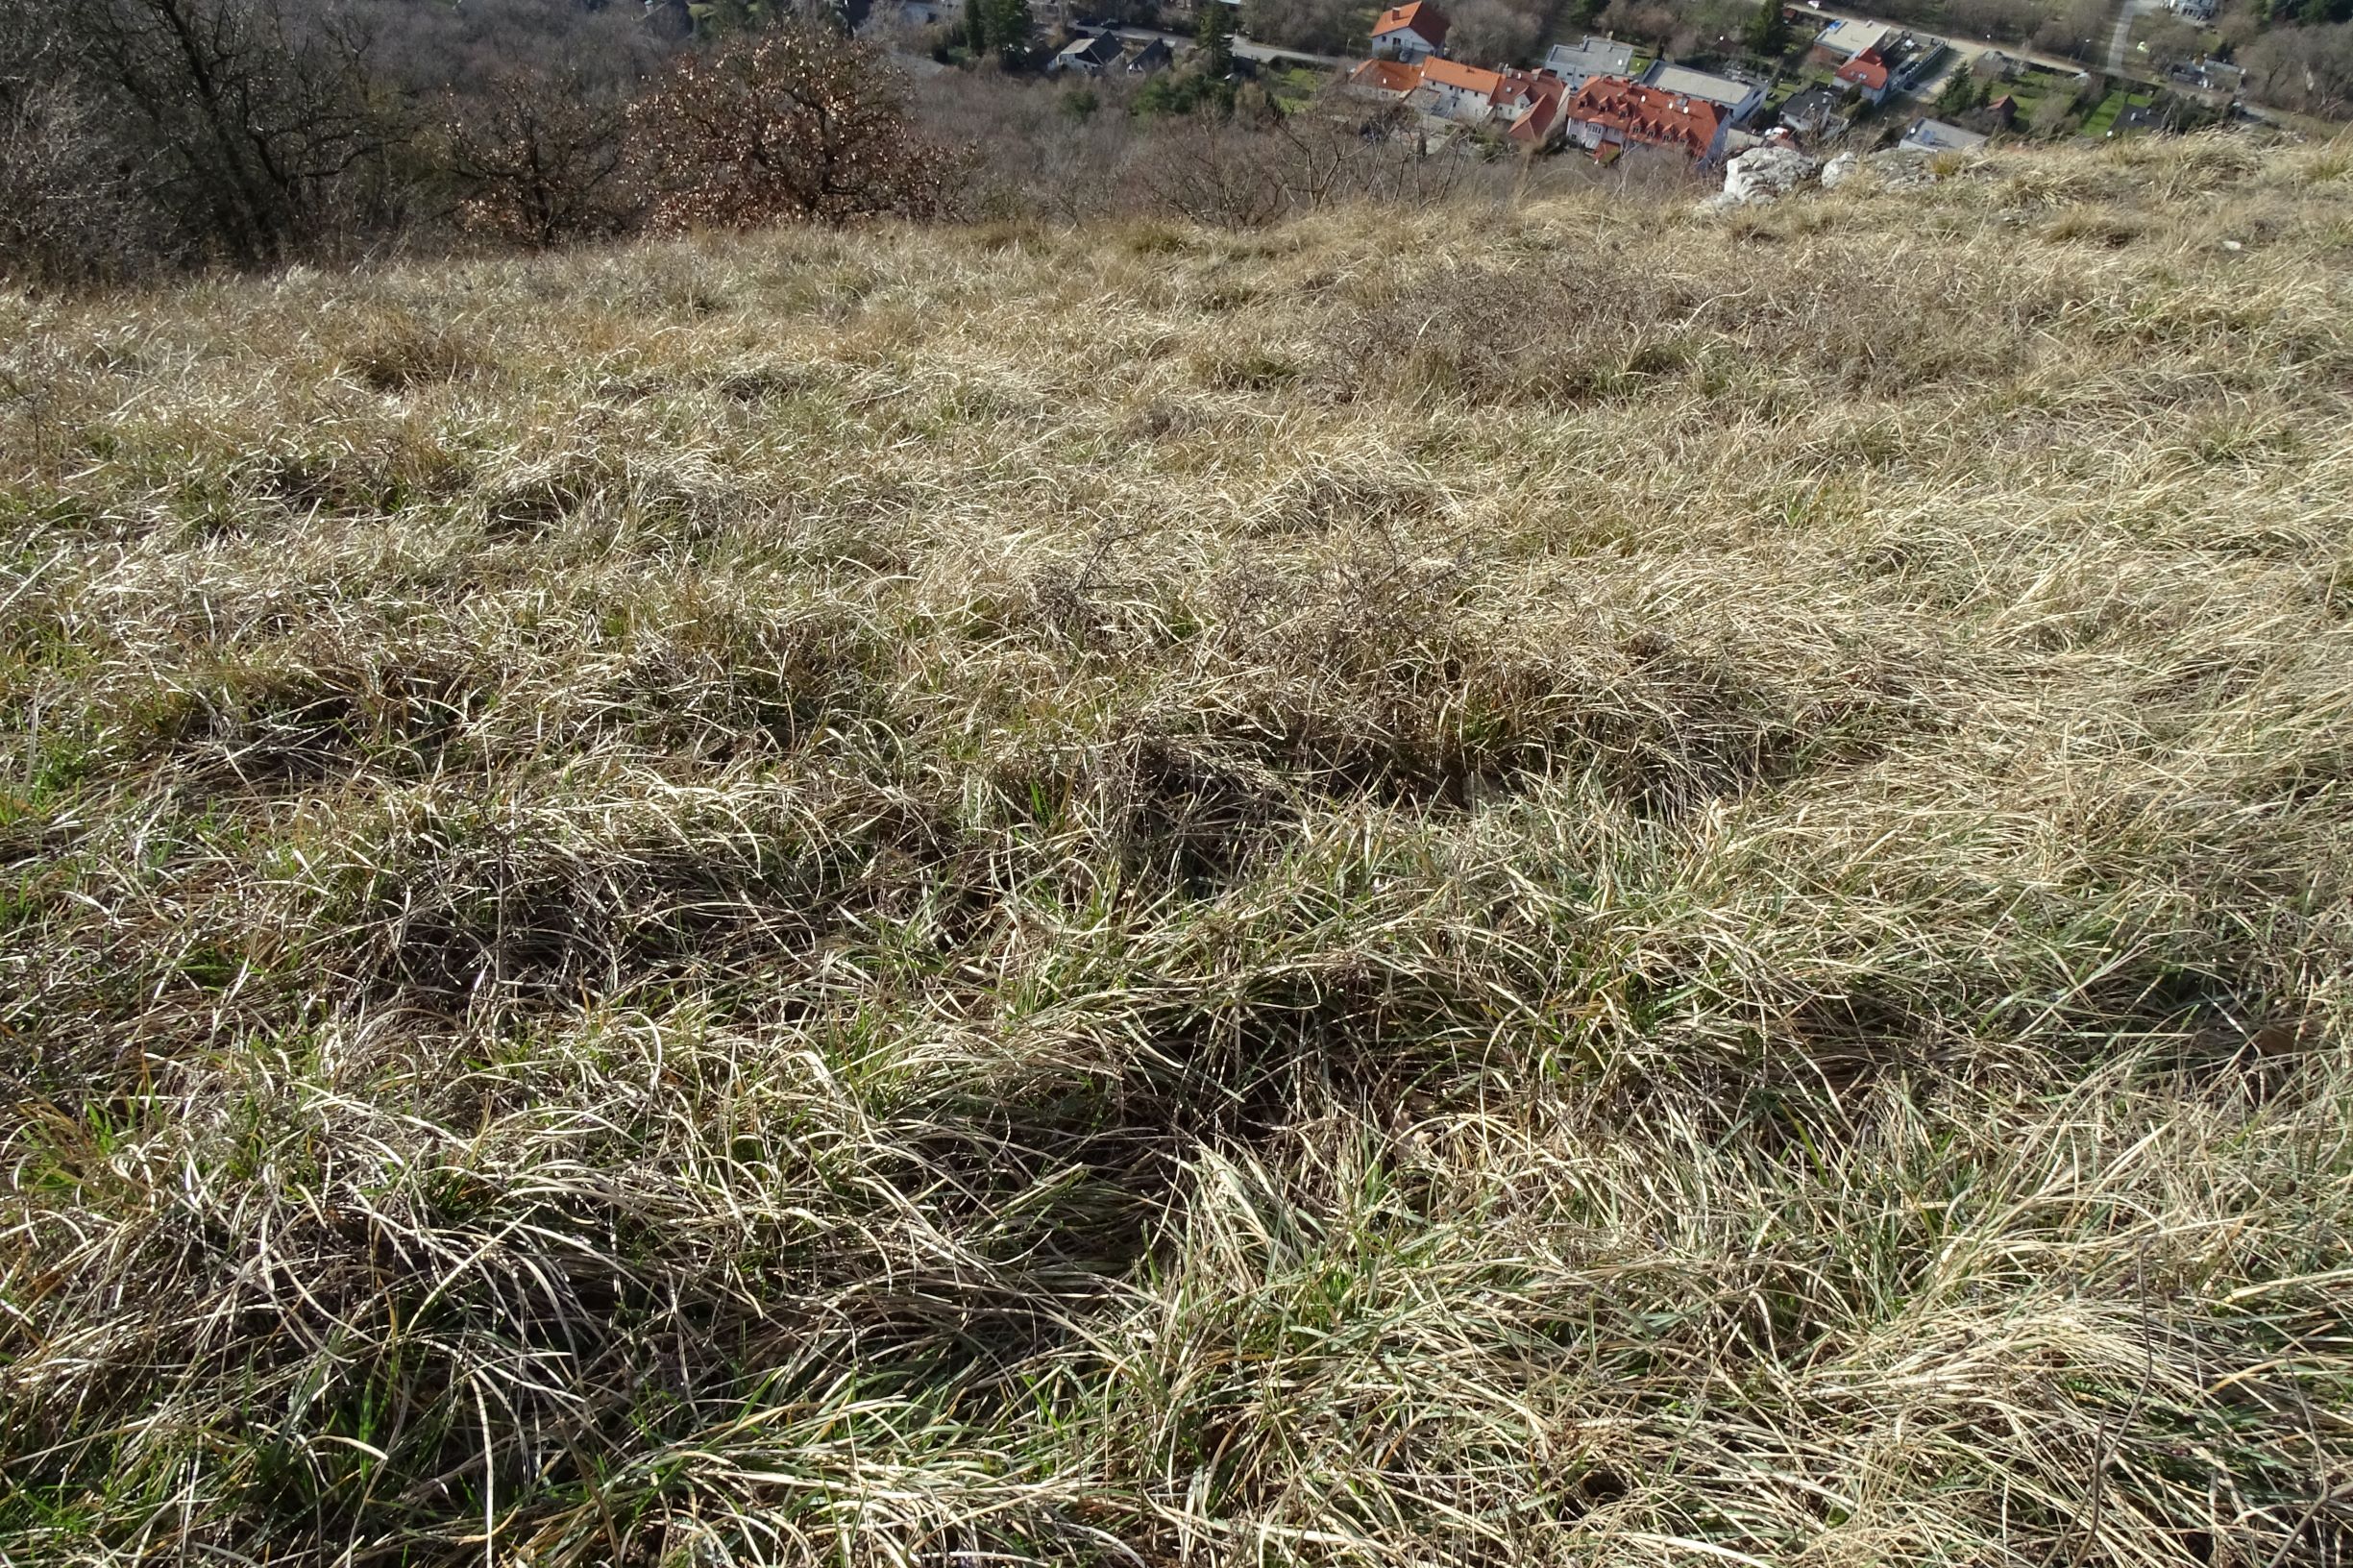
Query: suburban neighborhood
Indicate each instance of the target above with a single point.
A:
(1807, 78)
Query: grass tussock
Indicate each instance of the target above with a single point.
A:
(1603, 886)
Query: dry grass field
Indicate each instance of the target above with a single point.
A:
(1588, 885)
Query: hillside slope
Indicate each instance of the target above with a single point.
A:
(1592, 885)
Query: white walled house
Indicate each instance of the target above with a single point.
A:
(1411, 33)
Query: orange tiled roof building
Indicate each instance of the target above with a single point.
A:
(1608, 111)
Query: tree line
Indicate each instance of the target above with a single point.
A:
(138, 135)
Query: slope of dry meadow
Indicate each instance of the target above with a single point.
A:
(1589, 885)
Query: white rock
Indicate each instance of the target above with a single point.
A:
(1904, 168)
(1764, 174)
(1839, 170)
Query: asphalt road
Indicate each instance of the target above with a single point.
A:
(1968, 49)
(1965, 50)
(2120, 43)
(1243, 48)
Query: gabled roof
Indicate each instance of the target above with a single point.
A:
(1448, 73)
(1420, 16)
(1866, 70)
(1386, 76)
(1648, 116)
(1545, 98)
(1816, 108)
(1941, 137)
(1517, 89)
(1100, 50)
(1592, 56)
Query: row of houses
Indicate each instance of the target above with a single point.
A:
(1873, 61)
(1585, 93)
(1524, 106)
(1588, 93)
(1107, 54)
(1540, 108)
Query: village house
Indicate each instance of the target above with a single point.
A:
(1737, 97)
(1843, 39)
(1817, 114)
(2209, 75)
(1866, 76)
(1525, 106)
(1890, 67)
(1529, 106)
(1411, 33)
(1089, 56)
(1939, 137)
(1385, 79)
(1451, 91)
(1592, 56)
(1611, 113)
(1149, 57)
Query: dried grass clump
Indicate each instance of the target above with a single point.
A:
(1598, 885)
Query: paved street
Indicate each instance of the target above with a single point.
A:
(1968, 49)
(2120, 43)
(2119, 58)
(1243, 48)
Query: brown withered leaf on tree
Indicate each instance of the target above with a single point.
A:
(795, 125)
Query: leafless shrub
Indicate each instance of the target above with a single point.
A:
(253, 118)
(1245, 175)
(542, 157)
(2309, 69)
(1323, 26)
(69, 209)
(1494, 32)
(1066, 154)
(796, 123)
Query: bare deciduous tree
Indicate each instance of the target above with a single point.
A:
(1494, 32)
(542, 157)
(71, 210)
(254, 111)
(797, 124)
(1241, 175)
(2308, 69)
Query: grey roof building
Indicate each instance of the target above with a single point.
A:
(1591, 57)
(1092, 55)
(1736, 97)
(1939, 137)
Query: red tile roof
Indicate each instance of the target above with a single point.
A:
(1386, 76)
(1420, 16)
(1536, 121)
(1648, 116)
(1448, 73)
(1537, 98)
(1867, 70)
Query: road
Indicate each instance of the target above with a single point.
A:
(1965, 50)
(1968, 49)
(2120, 43)
(1249, 49)
(1243, 48)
